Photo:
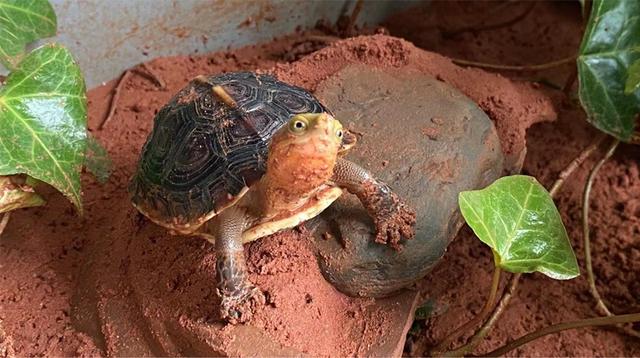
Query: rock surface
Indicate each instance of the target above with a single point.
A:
(428, 142)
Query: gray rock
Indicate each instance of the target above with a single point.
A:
(428, 142)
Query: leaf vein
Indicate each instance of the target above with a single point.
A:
(44, 147)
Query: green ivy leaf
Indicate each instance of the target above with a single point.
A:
(16, 195)
(633, 79)
(43, 116)
(22, 22)
(610, 45)
(97, 160)
(517, 218)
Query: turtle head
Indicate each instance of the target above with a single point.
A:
(302, 153)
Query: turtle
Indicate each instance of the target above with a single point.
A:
(238, 156)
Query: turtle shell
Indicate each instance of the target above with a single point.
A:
(205, 151)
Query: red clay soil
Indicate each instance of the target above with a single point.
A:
(43, 252)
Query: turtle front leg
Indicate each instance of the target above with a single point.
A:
(393, 219)
(239, 296)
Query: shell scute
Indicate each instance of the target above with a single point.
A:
(203, 152)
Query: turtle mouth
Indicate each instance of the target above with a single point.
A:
(348, 141)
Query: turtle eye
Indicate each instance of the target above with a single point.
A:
(339, 133)
(298, 125)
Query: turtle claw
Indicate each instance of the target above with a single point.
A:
(240, 307)
(394, 221)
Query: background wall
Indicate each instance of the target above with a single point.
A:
(108, 36)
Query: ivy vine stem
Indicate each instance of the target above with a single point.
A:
(486, 327)
(481, 26)
(591, 322)
(601, 306)
(585, 228)
(4, 221)
(575, 163)
(480, 317)
(115, 95)
(543, 66)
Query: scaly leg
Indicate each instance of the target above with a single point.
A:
(392, 217)
(239, 296)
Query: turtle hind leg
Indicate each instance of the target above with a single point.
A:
(240, 298)
(394, 220)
